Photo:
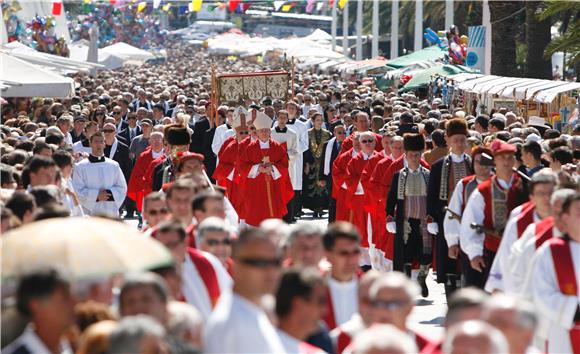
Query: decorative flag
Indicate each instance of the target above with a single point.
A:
(112, 2)
(310, 6)
(342, 4)
(141, 6)
(156, 3)
(196, 5)
(166, 7)
(288, 7)
(330, 3)
(56, 8)
(182, 9)
(233, 5)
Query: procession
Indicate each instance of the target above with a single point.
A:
(274, 177)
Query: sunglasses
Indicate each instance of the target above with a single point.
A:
(116, 113)
(155, 212)
(261, 263)
(366, 141)
(225, 242)
(106, 131)
(389, 305)
(349, 254)
(340, 133)
(245, 132)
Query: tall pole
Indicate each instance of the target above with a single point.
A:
(333, 25)
(448, 14)
(418, 25)
(395, 29)
(486, 21)
(375, 45)
(345, 30)
(359, 20)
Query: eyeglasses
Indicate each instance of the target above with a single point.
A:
(116, 113)
(225, 242)
(366, 141)
(389, 305)
(349, 254)
(261, 263)
(155, 212)
(107, 131)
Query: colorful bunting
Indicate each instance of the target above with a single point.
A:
(166, 7)
(288, 7)
(56, 8)
(342, 4)
(141, 6)
(233, 5)
(196, 5)
(310, 6)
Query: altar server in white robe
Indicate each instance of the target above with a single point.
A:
(556, 281)
(239, 323)
(99, 181)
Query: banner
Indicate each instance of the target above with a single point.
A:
(236, 88)
(475, 58)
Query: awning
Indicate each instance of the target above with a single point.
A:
(531, 92)
(19, 78)
(468, 85)
(509, 91)
(459, 78)
(484, 87)
(423, 78)
(498, 88)
(547, 96)
(128, 52)
(432, 53)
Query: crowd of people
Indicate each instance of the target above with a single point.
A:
(411, 188)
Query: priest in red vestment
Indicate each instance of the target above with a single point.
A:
(358, 193)
(136, 187)
(264, 171)
(361, 124)
(339, 176)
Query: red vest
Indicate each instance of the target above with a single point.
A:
(564, 266)
(469, 185)
(525, 218)
(207, 274)
(486, 189)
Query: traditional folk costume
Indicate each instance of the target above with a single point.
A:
(556, 291)
(269, 192)
(489, 206)
(240, 326)
(452, 224)
(136, 188)
(359, 197)
(94, 174)
(162, 170)
(406, 206)
(499, 279)
(315, 197)
(445, 175)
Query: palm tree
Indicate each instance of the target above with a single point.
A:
(568, 13)
(503, 48)
(537, 39)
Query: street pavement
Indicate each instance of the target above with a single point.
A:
(428, 314)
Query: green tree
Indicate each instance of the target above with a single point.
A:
(538, 37)
(504, 32)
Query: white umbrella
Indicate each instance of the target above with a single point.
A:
(80, 248)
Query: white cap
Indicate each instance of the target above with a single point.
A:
(533, 137)
(262, 121)
(238, 121)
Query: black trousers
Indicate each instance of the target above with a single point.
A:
(413, 249)
(290, 215)
(471, 276)
(331, 210)
(297, 200)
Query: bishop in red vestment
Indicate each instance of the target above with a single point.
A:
(136, 188)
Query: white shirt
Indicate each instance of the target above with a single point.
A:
(471, 242)
(222, 132)
(194, 289)
(344, 299)
(239, 326)
(499, 278)
(30, 340)
(89, 178)
(291, 140)
(451, 225)
(457, 158)
(78, 147)
(296, 170)
(293, 345)
(550, 303)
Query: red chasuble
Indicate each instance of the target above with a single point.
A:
(339, 176)
(357, 213)
(228, 161)
(268, 196)
(378, 189)
(565, 273)
(148, 178)
(136, 186)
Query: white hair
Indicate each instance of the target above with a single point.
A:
(384, 338)
(211, 224)
(525, 315)
(127, 336)
(476, 329)
(394, 280)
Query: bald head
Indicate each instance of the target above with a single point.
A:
(474, 337)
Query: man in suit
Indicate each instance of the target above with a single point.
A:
(120, 123)
(131, 131)
(330, 152)
(199, 130)
(141, 101)
(118, 151)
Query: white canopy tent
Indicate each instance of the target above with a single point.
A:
(58, 64)
(128, 52)
(548, 96)
(80, 52)
(19, 78)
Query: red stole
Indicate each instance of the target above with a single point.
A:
(526, 217)
(190, 236)
(565, 274)
(421, 341)
(329, 318)
(342, 341)
(207, 274)
(544, 230)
